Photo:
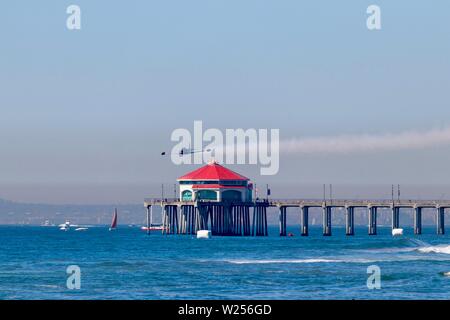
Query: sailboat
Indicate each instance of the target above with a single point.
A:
(114, 221)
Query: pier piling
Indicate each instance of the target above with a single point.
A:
(261, 220)
(372, 220)
(349, 221)
(170, 219)
(440, 222)
(148, 219)
(417, 220)
(395, 217)
(326, 217)
(282, 218)
(304, 221)
(247, 221)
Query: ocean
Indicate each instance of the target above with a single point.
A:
(128, 264)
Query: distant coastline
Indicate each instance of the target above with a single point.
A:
(35, 214)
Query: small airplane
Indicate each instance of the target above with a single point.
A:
(185, 151)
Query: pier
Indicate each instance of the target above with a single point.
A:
(249, 218)
(226, 203)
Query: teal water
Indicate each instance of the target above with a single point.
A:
(128, 264)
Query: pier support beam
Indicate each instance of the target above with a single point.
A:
(245, 212)
(440, 222)
(247, 231)
(304, 221)
(282, 218)
(349, 221)
(192, 219)
(198, 216)
(148, 219)
(222, 219)
(417, 220)
(227, 221)
(216, 217)
(184, 218)
(236, 214)
(213, 218)
(264, 210)
(372, 220)
(170, 219)
(395, 217)
(326, 221)
(165, 220)
(259, 221)
(175, 226)
(179, 219)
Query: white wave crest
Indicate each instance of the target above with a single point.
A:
(445, 249)
(281, 261)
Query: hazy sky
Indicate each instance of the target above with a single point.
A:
(85, 114)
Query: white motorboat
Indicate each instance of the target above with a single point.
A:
(64, 226)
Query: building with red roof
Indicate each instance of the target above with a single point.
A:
(214, 182)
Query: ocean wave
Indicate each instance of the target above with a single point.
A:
(418, 242)
(417, 246)
(337, 260)
(403, 245)
(296, 261)
(445, 249)
(48, 286)
(389, 250)
(125, 264)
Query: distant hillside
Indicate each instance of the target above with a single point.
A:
(36, 214)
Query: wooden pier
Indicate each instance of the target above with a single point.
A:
(250, 218)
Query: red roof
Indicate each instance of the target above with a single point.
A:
(215, 186)
(213, 171)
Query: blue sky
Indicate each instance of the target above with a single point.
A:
(95, 107)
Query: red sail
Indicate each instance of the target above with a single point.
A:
(114, 220)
